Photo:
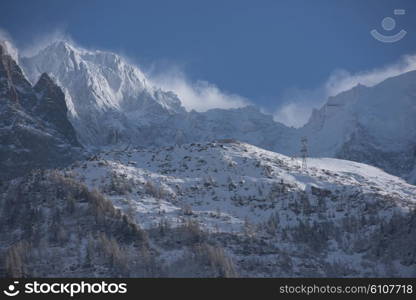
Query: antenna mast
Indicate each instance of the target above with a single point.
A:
(304, 152)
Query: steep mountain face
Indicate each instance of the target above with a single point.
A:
(375, 125)
(34, 129)
(109, 100)
(270, 217)
(51, 108)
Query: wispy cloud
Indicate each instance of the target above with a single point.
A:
(341, 80)
(7, 42)
(38, 42)
(298, 104)
(41, 41)
(198, 95)
(4, 35)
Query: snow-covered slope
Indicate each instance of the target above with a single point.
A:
(335, 207)
(200, 173)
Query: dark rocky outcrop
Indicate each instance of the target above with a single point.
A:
(51, 107)
(34, 130)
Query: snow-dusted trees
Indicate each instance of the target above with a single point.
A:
(64, 228)
(119, 185)
(15, 261)
(204, 260)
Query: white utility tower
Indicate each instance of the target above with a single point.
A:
(304, 152)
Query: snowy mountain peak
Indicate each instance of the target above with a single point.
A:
(44, 79)
(77, 58)
(106, 95)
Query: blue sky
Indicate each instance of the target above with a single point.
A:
(264, 51)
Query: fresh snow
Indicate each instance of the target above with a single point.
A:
(105, 95)
(226, 184)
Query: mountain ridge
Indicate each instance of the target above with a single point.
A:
(373, 125)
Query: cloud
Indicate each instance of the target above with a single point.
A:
(5, 36)
(43, 40)
(39, 41)
(341, 80)
(298, 104)
(198, 95)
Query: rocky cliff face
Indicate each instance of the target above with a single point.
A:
(34, 129)
(51, 108)
(374, 125)
(14, 88)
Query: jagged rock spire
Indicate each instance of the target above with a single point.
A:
(34, 128)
